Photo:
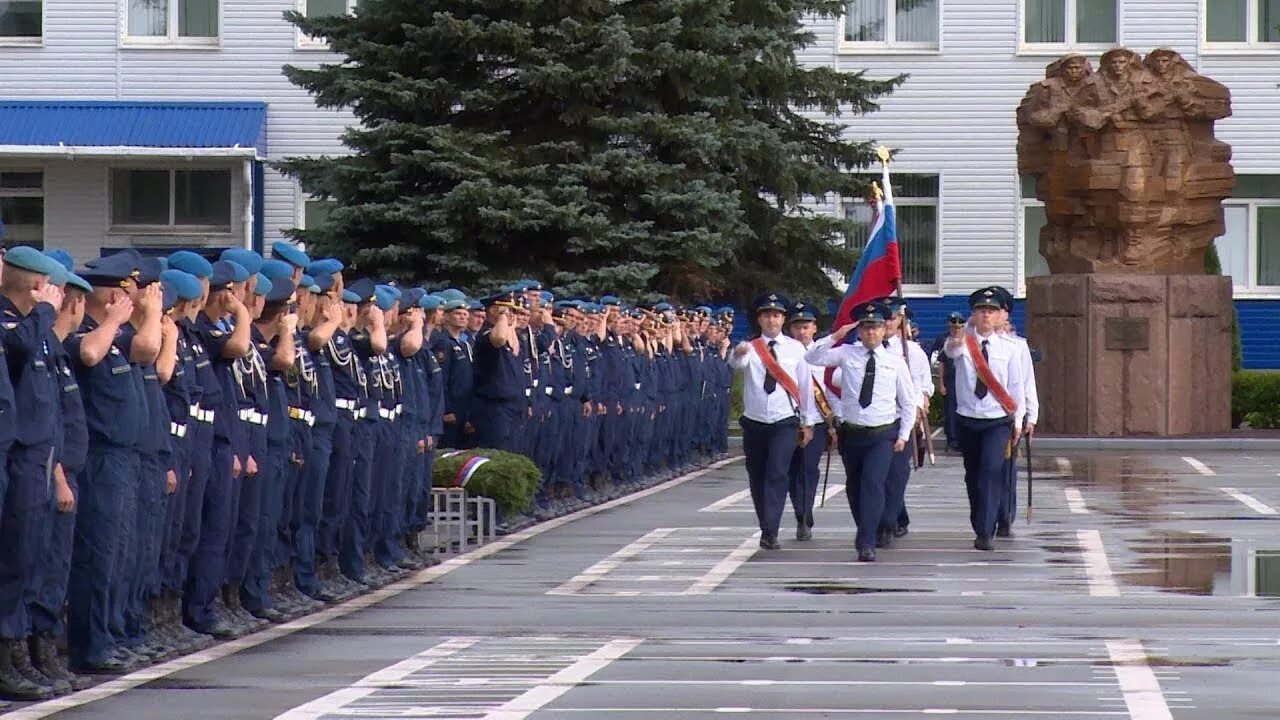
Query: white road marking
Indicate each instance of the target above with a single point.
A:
(611, 563)
(1102, 583)
(833, 491)
(1141, 688)
(141, 677)
(1075, 501)
(562, 682)
(1199, 466)
(725, 567)
(727, 502)
(1252, 502)
(1064, 465)
(333, 702)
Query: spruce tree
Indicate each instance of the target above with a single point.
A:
(646, 146)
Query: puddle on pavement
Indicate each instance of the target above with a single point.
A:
(841, 589)
(1204, 565)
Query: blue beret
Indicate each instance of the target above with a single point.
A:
(526, 284)
(290, 254)
(363, 289)
(62, 257)
(168, 297)
(149, 271)
(384, 299)
(306, 281)
(411, 297)
(262, 285)
(391, 290)
(324, 283)
(801, 312)
(454, 305)
(32, 260)
(452, 294)
(327, 266)
(547, 298)
(430, 302)
(184, 283)
(281, 290)
(475, 305)
(610, 300)
(277, 269)
(247, 259)
(350, 297)
(226, 272)
(871, 313)
(190, 262)
(77, 282)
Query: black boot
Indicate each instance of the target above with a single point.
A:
(14, 685)
(44, 655)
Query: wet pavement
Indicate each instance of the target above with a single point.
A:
(1143, 585)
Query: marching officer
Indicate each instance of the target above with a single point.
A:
(802, 324)
(878, 409)
(990, 408)
(776, 416)
(896, 519)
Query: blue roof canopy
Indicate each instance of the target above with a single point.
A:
(208, 126)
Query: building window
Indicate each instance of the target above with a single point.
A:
(316, 212)
(885, 24)
(21, 21)
(169, 200)
(1053, 24)
(22, 207)
(319, 9)
(1250, 249)
(167, 22)
(1242, 23)
(915, 198)
(1032, 219)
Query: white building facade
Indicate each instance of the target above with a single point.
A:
(151, 123)
(971, 221)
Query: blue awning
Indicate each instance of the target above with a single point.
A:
(211, 128)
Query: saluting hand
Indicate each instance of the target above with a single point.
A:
(151, 300)
(50, 293)
(288, 323)
(120, 311)
(844, 330)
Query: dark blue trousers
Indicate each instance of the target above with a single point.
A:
(148, 529)
(175, 512)
(895, 504)
(201, 462)
(255, 590)
(209, 562)
(337, 487)
(128, 552)
(355, 532)
(25, 500)
(805, 472)
(867, 456)
(498, 423)
(983, 443)
(45, 603)
(300, 445)
(389, 509)
(768, 448)
(93, 556)
(310, 508)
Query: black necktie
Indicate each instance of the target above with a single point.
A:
(981, 389)
(769, 383)
(868, 381)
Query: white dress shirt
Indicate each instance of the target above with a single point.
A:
(893, 394)
(820, 381)
(918, 364)
(777, 406)
(1032, 396)
(1004, 357)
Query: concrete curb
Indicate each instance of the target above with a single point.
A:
(1095, 443)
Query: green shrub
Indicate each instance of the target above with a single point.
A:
(1255, 398)
(510, 479)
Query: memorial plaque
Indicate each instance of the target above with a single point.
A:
(1126, 333)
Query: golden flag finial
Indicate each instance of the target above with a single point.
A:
(883, 153)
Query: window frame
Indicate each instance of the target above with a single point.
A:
(172, 39)
(1250, 46)
(172, 228)
(19, 41)
(1023, 204)
(1069, 45)
(933, 289)
(303, 41)
(28, 193)
(889, 46)
(301, 198)
(1252, 289)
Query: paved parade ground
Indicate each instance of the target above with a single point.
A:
(1137, 589)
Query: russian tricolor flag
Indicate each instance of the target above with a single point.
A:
(879, 269)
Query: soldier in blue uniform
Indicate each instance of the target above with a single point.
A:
(224, 344)
(46, 600)
(368, 339)
(500, 380)
(113, 402)
(29, 305)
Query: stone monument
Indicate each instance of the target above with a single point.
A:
(1136, 338)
